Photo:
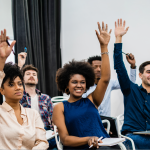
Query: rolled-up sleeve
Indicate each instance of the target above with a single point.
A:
(40, 141)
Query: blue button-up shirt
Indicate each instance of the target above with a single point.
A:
(104, 108)
(136, 98)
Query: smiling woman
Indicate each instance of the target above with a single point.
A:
(78, 122)
(21, 128)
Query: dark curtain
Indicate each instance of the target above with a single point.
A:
(36, 25)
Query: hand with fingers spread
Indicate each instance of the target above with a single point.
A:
(5, 49)
(131, 60)
(120, 29)
(104, 36)
(21, 59)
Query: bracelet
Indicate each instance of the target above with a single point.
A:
(104, 53)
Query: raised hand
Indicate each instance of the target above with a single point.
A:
(104, 36)
(21, 59)
(5, 49)
(120, 28)
(131, 60)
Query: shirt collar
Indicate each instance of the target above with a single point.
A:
(37, 91)
(141, 88)
(8, 108)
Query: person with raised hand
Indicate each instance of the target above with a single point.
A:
(34, 98)
(78, 122)
(22, 59)
(21, 128)
(136, 98)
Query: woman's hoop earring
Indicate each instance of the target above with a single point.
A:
(67, 91)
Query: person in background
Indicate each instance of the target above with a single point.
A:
(105, 108)
(21, 128)
(33, 98)
(136, 98)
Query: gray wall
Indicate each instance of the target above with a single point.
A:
(6, 17)
(78, 39)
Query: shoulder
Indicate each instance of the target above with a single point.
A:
(134, 84)
(59, 106)
(45, 96)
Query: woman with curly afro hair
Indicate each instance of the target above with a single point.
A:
(78, 122)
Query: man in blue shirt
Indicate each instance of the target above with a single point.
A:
(136, 98)
(105, 107)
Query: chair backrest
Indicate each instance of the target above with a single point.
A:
(119, 123)
(108, 124)
(58, 142)
(57, 99)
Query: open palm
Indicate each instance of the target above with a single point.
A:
(104, 36)
(120, 29)
(5, 50)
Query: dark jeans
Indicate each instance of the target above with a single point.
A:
(140, 141)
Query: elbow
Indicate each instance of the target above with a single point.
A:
(106, 79)
(64, 141)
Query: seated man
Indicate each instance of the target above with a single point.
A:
(136, 98)
(33, 98)
(105, 107)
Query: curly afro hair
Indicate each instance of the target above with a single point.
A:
(11, 72)
(90, 59)
(64, 74)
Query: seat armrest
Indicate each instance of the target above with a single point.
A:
(132, 142)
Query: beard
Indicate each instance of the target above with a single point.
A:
(145, 81)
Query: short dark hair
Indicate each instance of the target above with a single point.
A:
(11, 72)
(142, 66)
(90, 59)
(83, 68)
(29, 67)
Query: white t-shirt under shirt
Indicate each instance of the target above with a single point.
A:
(35, 103)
